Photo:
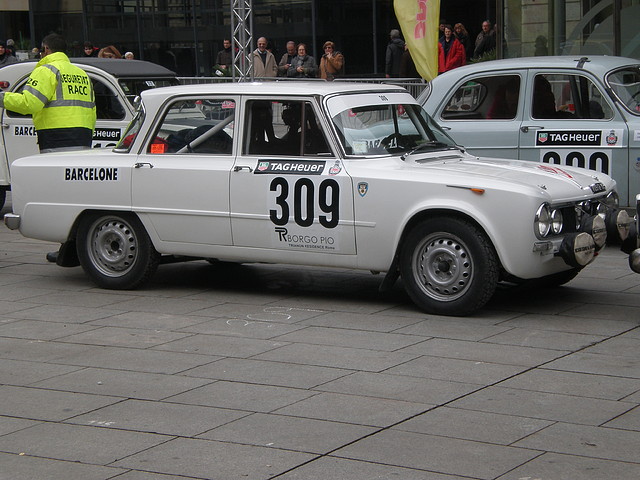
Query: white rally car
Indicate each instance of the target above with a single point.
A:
(341, 175)
(115, 83)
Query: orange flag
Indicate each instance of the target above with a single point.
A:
(420, 22)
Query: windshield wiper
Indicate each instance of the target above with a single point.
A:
(431, 144)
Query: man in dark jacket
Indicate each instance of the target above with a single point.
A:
(395, 49)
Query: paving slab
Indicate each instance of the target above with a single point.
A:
(76, 443)
(16, 467)
(208, 459)
(542, 405)
(587, 441)
(438, 454)
(158, 417)
(554, 466)
(289, 433)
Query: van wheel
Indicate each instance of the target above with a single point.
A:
(448, 266)
(115, 250)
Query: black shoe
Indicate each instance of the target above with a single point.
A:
(52, 257)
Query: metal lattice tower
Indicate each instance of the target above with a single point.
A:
(242, 28)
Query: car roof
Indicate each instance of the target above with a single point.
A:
(299, 88)
(126, 68)
(599, 65)
(119, 68)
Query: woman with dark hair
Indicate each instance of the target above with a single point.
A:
(450, 52)
(303, 65)
(463, 37)
(5, 57)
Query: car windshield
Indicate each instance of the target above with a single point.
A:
(625, 84)
(126, 141)
(390, 128)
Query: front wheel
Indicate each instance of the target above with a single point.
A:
(448, 266)
(115, 250)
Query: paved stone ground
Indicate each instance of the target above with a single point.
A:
(261, 372)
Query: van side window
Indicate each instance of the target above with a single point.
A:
(568, 97)
(196, 126)
(108, 106)
(485, 98)
(283, 128)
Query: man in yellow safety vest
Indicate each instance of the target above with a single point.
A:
(60, 98)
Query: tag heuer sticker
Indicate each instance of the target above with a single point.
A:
(363, 188)
(542, 137)
(262, 166)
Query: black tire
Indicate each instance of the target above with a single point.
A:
(115, 250)
(448, 266)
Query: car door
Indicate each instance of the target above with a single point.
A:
(113, 114)
(483, 112)
(288, 189)
(569, 120)
(180, 183)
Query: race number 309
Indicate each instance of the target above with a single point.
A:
(305, 201)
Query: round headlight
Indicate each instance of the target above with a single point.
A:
(556, 222)
(618, 224)
(543, 221)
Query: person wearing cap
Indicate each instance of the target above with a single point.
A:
(129, 56)
(5, 55)
(393, 57)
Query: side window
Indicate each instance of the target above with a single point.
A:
(196, 126)
(283, 128)
(485, 98)
(568, 97)
(108, 106)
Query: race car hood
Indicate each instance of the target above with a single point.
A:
(560, 181)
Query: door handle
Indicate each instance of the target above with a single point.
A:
(142, 164)
(526, 128)
(237, 168)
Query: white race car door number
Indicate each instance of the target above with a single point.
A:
(297, 205)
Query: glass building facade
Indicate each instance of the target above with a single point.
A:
(185, 35)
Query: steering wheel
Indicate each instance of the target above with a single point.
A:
(399, 141)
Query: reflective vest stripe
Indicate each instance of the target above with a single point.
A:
(36, 93)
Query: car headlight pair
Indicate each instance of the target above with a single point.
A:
(548, 221)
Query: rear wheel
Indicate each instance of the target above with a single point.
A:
(448, 266)
(115, 250)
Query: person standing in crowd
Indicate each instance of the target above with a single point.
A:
(129, 56)
(463, 37)
(395, 49)
(5, 57)
(450, 52)
(90, 50)
(485, 41)
(264, 63)
(59, 96)
(332, 62)
(287, 58)
(224, 58)
(303, 65)
(407, 65)
(10, 47)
